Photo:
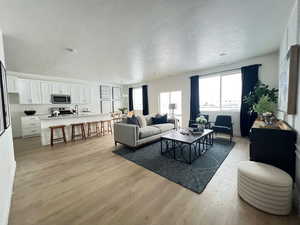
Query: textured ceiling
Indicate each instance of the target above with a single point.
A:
(127, 41)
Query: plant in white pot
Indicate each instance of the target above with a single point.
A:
(201, 121)
(265, 108)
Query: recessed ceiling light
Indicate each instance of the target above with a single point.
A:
(223, 54)
(71, 50)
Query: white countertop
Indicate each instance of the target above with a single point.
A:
(74, 116)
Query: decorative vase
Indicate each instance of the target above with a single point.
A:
(201, 127)
(268, 118)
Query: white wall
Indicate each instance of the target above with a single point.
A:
(7, 164)
(291, 37)
(268, 74)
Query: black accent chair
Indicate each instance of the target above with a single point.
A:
(223, 125)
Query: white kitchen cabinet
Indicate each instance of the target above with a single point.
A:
(29, 91)
(95, 95)
(61, 88)
(116, 105)
(12, 84)
(85, 95)
(106, 106)
(31, 126)
(75, 93)
(106, 92)
(36, 94)
(46, 90)
(116, 92)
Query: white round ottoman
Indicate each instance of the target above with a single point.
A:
(265, 187)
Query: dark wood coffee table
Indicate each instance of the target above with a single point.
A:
(190, 146)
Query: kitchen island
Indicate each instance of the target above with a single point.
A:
(66, 120)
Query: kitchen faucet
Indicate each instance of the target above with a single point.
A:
(76, 110)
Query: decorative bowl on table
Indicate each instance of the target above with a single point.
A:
(29, 112)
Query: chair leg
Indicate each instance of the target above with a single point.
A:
(64, 135)
(89, 130)
(83, 131)
(97, 130)
(110, 129)
(51, 137)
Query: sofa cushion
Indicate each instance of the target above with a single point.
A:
(133, 120)
(142, 121)
(164, 126)
(148, 120)
(158, 119)
(148, 131)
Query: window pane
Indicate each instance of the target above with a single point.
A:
(164, 102)
(231, 91)
(209, 90)
(137, 99)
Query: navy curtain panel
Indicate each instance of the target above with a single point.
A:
(130, 99)
(249, 80)
(194, 101)
(145, 100)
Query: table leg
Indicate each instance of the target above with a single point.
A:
(190, 149)
(174, 150)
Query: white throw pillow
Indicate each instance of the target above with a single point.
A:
(142, 120)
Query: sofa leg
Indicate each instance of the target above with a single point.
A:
(116, 143)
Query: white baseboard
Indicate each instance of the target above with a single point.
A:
(12, 177)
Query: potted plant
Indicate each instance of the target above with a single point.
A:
(259, 91)
(265, 108)
(201, 121)
(254, 96)
(123, 110)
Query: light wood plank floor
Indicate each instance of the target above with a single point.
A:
(85, 183)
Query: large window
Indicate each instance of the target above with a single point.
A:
(220, 92)
(167, 98)
(137, 95)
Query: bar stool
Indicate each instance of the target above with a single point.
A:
(63, 138)
(81, 134)
(108, 124)
(97, 130)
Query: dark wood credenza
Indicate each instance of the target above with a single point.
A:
(274, 145)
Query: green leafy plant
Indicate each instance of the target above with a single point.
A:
(264, 105)
(201, 120)
(259, 91)
(123, 110)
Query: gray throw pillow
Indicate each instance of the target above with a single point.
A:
(133, 120)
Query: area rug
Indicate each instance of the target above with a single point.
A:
(195, 177)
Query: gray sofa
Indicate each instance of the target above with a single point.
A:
(134, 136)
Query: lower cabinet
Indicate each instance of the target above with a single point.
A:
(31, 126)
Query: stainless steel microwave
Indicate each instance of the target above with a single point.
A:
(61, 99)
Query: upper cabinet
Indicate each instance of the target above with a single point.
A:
(46, 90)
(106, 92)
(95, 95)
(85, 95)
(116, 93)
(75, 93)
(40, 92)
(61, 88)
(12, 84)
(29, 91)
